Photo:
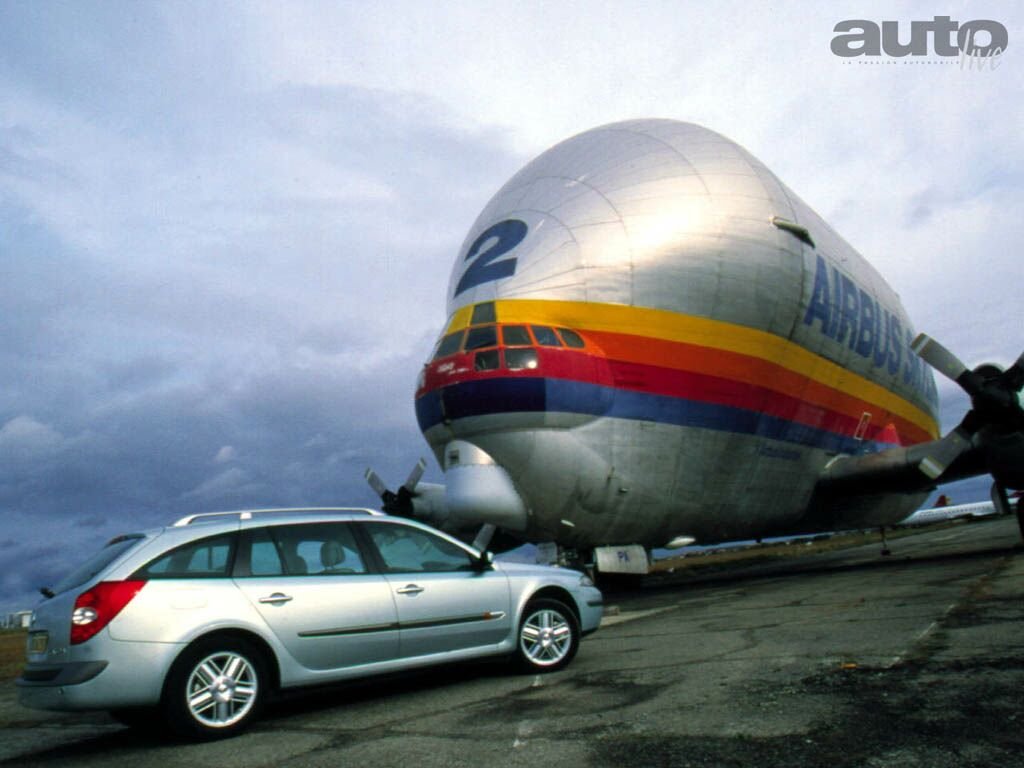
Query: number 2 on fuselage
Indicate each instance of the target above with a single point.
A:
(485, 268)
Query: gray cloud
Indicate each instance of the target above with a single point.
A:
(212, 307)
(226, 231)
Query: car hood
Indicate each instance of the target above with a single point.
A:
(538, 570)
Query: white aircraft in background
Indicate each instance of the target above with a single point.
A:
(939, 514)
(943, 510)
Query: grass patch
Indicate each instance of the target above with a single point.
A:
(12, 653)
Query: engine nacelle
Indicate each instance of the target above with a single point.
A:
(477, 492)
(1006, 459)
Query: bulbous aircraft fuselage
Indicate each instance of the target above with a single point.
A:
(651, 336)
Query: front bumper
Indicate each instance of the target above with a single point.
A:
(591, 607)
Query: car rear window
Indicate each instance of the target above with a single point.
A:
(98, 562)
(208, 558)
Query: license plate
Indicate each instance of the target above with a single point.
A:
(37, 642)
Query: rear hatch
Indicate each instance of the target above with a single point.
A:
(50, 632)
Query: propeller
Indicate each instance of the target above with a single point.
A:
(483, 538)
(994, 402)
(431, 509)
(400, 502)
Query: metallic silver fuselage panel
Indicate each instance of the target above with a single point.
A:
(672, 216)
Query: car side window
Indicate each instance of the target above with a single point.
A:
(208, 558)
(405, 549)
(315, 549)
(264, 558)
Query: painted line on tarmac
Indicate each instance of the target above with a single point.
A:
(621, 617)
(899, 659)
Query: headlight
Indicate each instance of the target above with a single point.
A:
(586, 581)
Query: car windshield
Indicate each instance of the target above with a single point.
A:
(87, 570)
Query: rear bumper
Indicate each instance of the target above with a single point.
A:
(48, 675)
(132, 677)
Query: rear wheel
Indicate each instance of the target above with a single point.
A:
(549, 636)
(216, 688)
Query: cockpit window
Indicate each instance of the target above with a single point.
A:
(521, 359)
(449, 345)
(483, 313)
(485, 336)
(515, 336)
(571, 338)
(545, 336)
(487, 360)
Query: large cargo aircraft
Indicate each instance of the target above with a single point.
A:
(651, 340)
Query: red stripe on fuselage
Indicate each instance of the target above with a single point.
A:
(822, 407)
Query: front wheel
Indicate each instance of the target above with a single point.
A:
(549, 636)
(215, 689)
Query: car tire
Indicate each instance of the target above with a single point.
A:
(548, 636)
(216, 688)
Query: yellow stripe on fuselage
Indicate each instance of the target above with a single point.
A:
(672, 326)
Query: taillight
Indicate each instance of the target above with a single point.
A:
(95, 608)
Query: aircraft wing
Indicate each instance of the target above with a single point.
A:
(857, 491)
(898, 470)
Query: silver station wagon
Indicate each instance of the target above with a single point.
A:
(198, 624)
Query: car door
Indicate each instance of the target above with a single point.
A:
(444, 601)
(311, 585)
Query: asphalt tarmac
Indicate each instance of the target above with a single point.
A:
(832, 659)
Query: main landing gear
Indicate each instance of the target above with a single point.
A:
(885, 545)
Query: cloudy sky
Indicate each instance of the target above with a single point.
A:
(226, 228)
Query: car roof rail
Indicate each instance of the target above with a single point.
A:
(247, 514)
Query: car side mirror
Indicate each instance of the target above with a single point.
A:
(483, 563)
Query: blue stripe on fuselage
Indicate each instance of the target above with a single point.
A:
(538, 395)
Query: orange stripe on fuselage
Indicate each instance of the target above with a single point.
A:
(672, 340)
(753, 371)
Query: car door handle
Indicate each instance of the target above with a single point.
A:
(275, 598)
(410, 589)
